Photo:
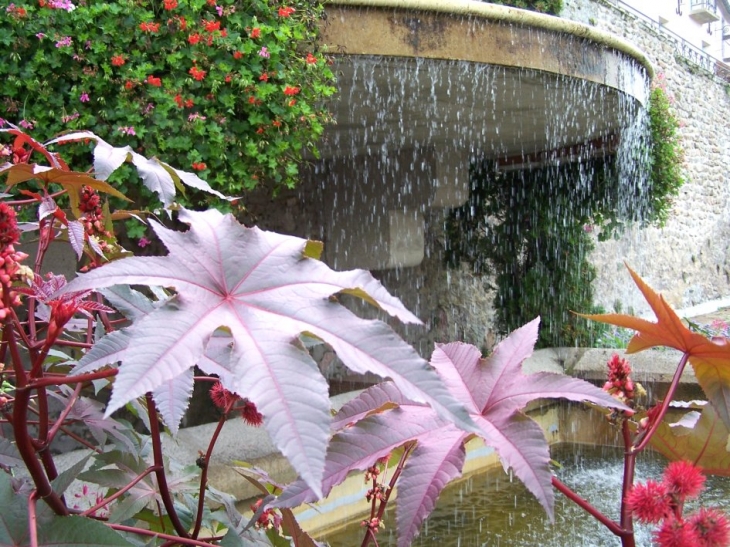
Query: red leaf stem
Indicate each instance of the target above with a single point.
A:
(24, 445)
(60, 380)
(627, 521)
(160, 468)
(59, 421)
(614, 527)
(644, 437)
(32, 519)
(175, 539)
(369, 533)
(120, 492)
(204, 476)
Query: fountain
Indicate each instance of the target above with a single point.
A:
(425, 90)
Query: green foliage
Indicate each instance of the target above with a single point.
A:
(228, 89)
(529, 229)
(667, 155)
(552, 7)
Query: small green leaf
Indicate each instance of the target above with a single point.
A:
(75, 531)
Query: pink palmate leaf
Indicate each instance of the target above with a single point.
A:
(262, 290)
(494, 390)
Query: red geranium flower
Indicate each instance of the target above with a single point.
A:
(200, 166)
(255, 32)
(194, 38)
(286, 11)
(237, 54)
(149, 27)
(128, 84)
(118, 60)
(289, 90)
(196, 73)
(211, 26)
(154, 81)
(170, 4)
(189, 103)
(311, 59)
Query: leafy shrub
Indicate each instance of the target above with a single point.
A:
(552, 7)
(667, 155)
(227, 89)
(529, 230)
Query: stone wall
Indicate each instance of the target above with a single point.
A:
(689, 259)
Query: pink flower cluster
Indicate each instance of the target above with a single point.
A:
(662, 503)
(9, 258)
(619, 383)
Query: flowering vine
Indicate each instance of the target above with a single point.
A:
(139, 70)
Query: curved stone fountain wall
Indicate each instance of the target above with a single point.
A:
(689, 259)
(424, 86)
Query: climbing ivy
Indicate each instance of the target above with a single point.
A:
(529, 229)
(667, 155)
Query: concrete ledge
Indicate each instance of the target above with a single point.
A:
(503, 14)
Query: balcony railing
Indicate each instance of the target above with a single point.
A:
(704, 11)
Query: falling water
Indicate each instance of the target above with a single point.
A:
(408, 131)
(490, 510)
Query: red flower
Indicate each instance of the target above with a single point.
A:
(222, 398)
(211, 26)
(684, 480)
(128, 84)
(711, 526)
(224, 33)
(264, 77)
(228, 78)
(251, 99)
(237, 54)
(250, 414)
(170, 4)
(194, 38)
(255, 32)
(149, 27)
(196, 73)
(311, 59)
(179, 100)
(276, 123)
(183, 22)
(154, 81)
(260, 131)
(9, 233)
(286, 11)
(650, 502)
(289, 90)
(118, 60)
(199, 166)
(675, 533)
(292, 102)
(189, 103)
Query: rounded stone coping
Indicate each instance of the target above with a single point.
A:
(508, 15)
